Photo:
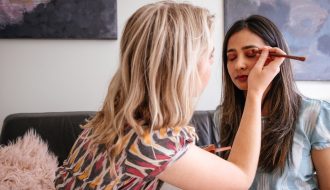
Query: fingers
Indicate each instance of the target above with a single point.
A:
(262, 58)
(276, 50)
(266, 58)
(265, 69)
(277, 60)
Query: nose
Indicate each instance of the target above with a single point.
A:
(240, 64)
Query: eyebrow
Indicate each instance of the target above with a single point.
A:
(243, 48)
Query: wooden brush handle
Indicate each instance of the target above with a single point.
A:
(271, 54)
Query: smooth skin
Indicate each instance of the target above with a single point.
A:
(321, 163)
(204, 170)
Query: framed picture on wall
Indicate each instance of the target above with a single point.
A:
(305, 25)
(64, 19)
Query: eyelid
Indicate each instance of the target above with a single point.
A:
(231, 56)
(250, 52)
(230, 52)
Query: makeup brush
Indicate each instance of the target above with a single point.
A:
(272, 54)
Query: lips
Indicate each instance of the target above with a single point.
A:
(242, 78)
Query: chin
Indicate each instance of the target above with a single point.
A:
(242, 87)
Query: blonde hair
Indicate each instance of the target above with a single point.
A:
(155, 83)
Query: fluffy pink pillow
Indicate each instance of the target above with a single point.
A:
(27, 164)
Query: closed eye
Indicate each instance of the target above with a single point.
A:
(250, 53)
(231, 56)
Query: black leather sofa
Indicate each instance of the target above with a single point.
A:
(60, 129)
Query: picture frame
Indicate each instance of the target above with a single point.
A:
(304, 24)
(58, 19)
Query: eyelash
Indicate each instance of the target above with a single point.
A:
(248, 54)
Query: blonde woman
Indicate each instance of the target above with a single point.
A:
(141, 136)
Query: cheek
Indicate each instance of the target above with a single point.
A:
(230, 69)
(252, 63)
(208, 76)
(204, 68)
(205, 72)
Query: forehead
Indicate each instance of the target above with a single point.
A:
(244, 38)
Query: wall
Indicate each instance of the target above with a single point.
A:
(71, 75)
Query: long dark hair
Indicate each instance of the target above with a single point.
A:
(283, 98)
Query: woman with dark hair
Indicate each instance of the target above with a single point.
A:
(296, 129)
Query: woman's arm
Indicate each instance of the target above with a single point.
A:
(321, 161)
(198, 169)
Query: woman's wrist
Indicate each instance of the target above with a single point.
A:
(254, 95)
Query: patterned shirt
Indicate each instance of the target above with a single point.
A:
(312, 131)
(137, 167)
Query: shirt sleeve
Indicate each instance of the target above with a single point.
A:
(149, 155)
(321, 134)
